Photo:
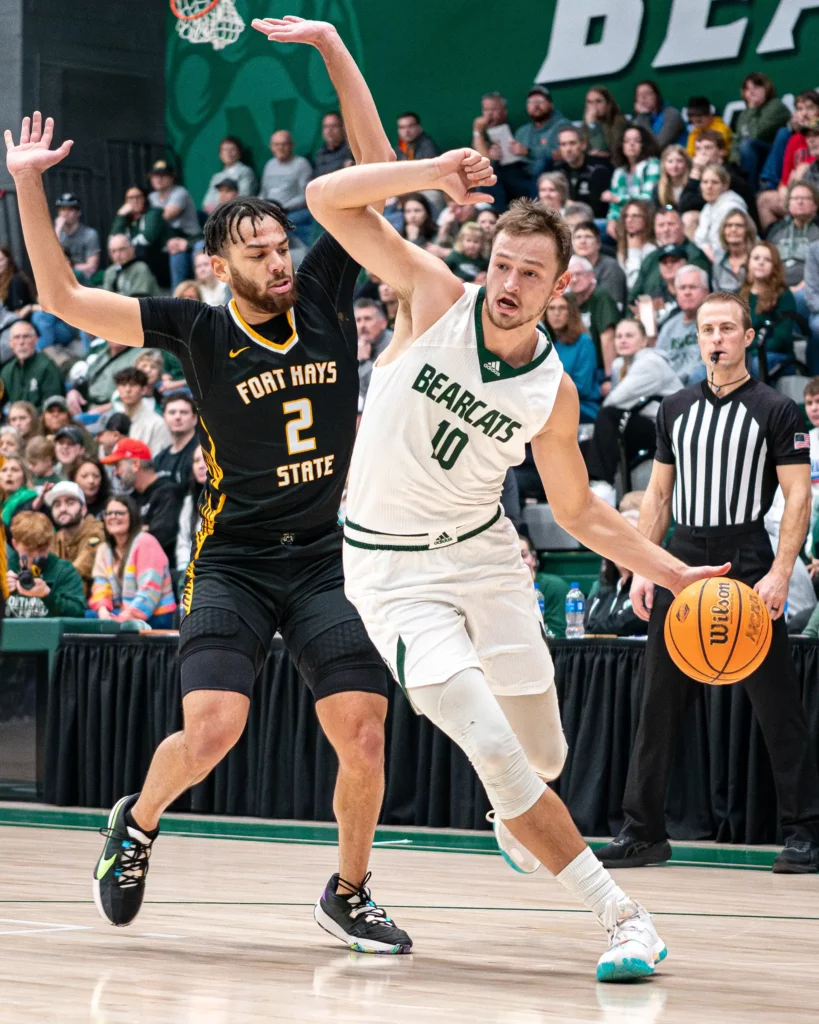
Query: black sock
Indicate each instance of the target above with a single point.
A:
(129, 820)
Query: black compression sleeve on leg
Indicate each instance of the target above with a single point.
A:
(217, 669)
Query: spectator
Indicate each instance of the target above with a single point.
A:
(335, 152)
(55, 415)
(576, 214)
(174, 462)
(91, 382)
(41, 456)
(29, 376)
(187, 290)
(671, 259)
(127, 275)
(538, 140)
(637, 373)
(487, 221)
(373, 337)
(158, 500)
(677, 338)
(466, 260)
(389, 300)
(16, 291)
(635, 237)
(710, 149)
(608, 274)
(92, 480)
(226, 190)
(69, 446)
(146, 425)
(604, 122)
(10, 442)
(419, 221)
(702, 119)
(132, 578)
(807, 305)
(577, 352)
(78, 534)
(597, 309)
(757, 125)
(553, 190)
(110, 428)
(588, 178)
(807, 168)
(512, 168)
(551, 590)
(413, 141)
(720, 199)
(190, 521)
(147, 230)
(212, 290)
(790, 147)
(284, 180)
(668, 230)
(16, 489)
(81, 241)
(179, 212)
(243, 176)
(737, 236)
(152, 363)
(772, 307)
(23, 417)
(794, 234)
(664, 122)
(609, 610)
(636, 173)
(675, 170)
(56, 589)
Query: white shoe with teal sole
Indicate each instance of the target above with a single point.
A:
(514, 853)
(635, 948)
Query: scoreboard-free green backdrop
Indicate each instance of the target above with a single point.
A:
(438, 56)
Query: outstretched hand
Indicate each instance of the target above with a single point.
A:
(291, 29)
(459, 171)
(33, 153)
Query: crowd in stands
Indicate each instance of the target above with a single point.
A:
(666, 202)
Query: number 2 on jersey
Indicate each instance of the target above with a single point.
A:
(296, 444)
(446, 447)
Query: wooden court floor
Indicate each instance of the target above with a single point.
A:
(226, 935)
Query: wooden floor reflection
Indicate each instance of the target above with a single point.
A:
(227, 935)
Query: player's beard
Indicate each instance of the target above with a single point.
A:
(509, 323)
(259, 298)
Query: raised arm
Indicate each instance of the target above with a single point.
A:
(111, 316)
(365, 133)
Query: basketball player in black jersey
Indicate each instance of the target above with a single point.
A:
(275, 377)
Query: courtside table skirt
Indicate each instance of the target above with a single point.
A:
(113, 699)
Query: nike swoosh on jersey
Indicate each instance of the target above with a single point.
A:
(237, 351)
(104, 866)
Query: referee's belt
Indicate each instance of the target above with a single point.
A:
(709, 532)
(443, 536)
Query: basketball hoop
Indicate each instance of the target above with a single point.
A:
(208, 21)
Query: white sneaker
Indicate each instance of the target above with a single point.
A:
(604, 490)
(514, 853)
(634, 945)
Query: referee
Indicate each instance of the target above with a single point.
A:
(723, 446)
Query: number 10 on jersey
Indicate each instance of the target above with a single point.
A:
(447, 444)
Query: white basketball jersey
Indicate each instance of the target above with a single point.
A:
(443, 424)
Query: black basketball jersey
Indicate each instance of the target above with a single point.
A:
(277, 401)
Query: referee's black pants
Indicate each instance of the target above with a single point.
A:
(772, 688)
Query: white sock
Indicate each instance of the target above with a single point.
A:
(587, 879)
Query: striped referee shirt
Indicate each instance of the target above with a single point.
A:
(726, 450)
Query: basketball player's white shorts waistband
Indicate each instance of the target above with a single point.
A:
(441, 537)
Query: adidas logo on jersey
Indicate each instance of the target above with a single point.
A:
(493, 366)
(444, 538)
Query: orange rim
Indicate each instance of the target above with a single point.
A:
(192, 17)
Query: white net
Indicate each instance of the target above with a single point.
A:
(220, 26)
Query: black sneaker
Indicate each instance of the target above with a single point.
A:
(626, 852)
(358, 921)
(799, 857)
(119, 877)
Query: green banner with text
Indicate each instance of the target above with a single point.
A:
(437, 57)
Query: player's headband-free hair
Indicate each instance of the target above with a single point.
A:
(224, 226)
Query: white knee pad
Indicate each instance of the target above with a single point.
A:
(549, 764)
(467, 711)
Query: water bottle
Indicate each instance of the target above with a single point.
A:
(575, 611)
(541, 602)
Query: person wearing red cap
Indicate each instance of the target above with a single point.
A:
(275, 377)
(158, 498)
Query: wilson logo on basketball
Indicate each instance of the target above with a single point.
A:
(756, 620)
(721, 615)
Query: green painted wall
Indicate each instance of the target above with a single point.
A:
(439, 56)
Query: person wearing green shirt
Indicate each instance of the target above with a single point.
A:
(598, 310)
(29, 376)
(127, 275)
(539, 136)
(668, 230)
(772, 305)
(148, 231)
(757, 125)
(56, 589)
(551, 589)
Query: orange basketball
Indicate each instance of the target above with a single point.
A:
(718, 631)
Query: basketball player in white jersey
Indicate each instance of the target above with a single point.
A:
(430, 561)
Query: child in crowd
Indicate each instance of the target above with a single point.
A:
(41, 456)
(466, 260)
